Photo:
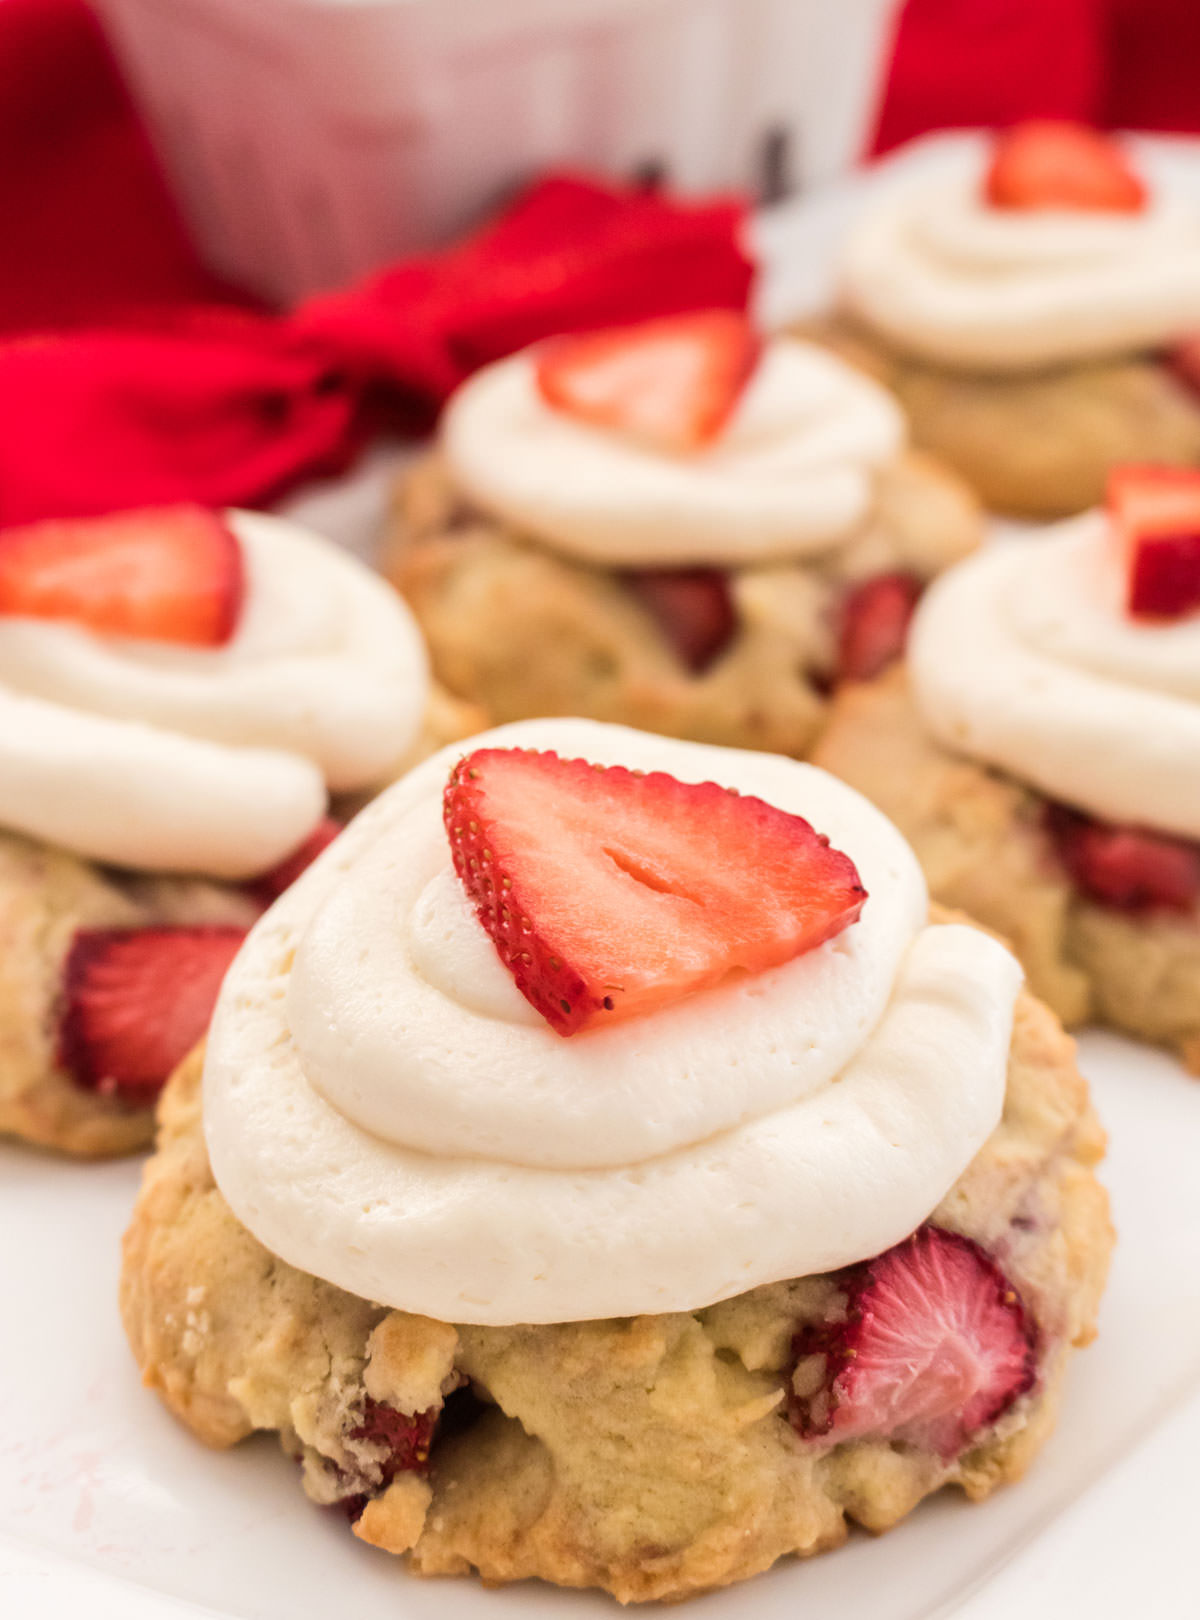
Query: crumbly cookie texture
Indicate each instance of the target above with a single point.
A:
(979, 836)
(46, 896)
(652, 1457)
(1040, 445)
(523, 632)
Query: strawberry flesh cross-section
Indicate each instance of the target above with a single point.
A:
(172, 573)
(610, 893)
(135, 1003)
(693, 607)
(874, 625)
(935, 1345)
(1155, 513)
(1045, 164)
(1127, 868)
(670, 384)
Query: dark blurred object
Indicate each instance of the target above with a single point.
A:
(229, 407)
(1118, 63)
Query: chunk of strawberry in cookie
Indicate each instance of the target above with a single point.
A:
(609, 893)
(692, 607)
(1184, 361)
(135, 1003)
(1130, 868)
(1155, 513)
(401, 1444)
(172, 573)
(267, 888)
(874, 625)
(935, 1346)
(404, 1438)
(1045, 164)
(671, 383)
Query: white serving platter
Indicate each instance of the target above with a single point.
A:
(109, 1511)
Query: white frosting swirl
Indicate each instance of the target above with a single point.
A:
(212, 760)
(947, 277)
(385, 1110)
(789, 475)
(1024, 657)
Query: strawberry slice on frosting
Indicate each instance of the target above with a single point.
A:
(670, 384)
(172, 574)
(610, 892)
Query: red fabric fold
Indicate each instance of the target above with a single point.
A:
(88, 225)
(231, 407)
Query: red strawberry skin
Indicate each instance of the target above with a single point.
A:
(173, 573)
(135, 1003)
(609, 893)
(874, 625)
(692, 607)
(1047, 164)
(1129, 868)
(267, 888)
(670, 383)
(1156, 515)
(936, 1345)
(407, 1438)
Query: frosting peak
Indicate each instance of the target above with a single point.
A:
(948, 278)
(215, 759)
(789, 475)
(1026, 658)
(385, 1109)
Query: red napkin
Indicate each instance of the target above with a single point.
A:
(124, 382)
(226, 406)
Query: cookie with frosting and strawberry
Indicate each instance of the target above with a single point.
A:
(1043, 754)
(603, 1167)
(677, 525)
(185, 697)
(1035, 306)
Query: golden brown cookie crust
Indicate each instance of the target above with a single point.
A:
(1036, 445)
(46, 896)
(523, 632)
(651, 1457)
(980, 838)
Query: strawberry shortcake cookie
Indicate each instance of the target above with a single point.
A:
(603, 1168)
(675, 525)
(1042, 755)
(181, 691)
(1033, 308)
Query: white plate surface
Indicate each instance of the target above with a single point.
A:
(109, 1511)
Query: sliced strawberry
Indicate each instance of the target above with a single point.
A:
(406, 1437)
(1126, 867)
(874, 628)
(271, 885)
(935, 1346)
(670, 383)
(171, 573)
(1156, 516)
(136, 1001)
(407, 1441)
(610, 893)
(1047, 164)
(693, 609)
